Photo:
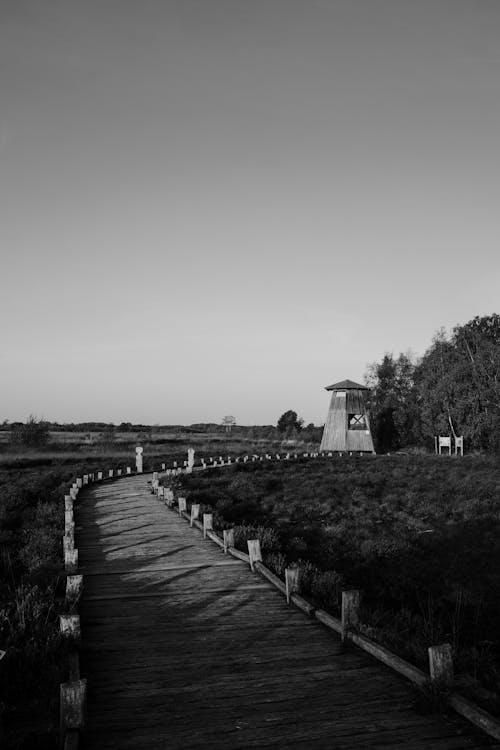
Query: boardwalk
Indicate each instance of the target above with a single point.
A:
(186, 648)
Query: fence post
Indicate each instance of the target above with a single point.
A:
(208, 520)
(138, 459)
(441, 663)
(74, 587)
(228, 536)
(291, 582)
(182, 504)
(254, 552)
(73, 699)
(350, 611)
(69, 626)
(195, 513)
(71, 560)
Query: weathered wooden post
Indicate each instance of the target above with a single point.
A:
(208, 521)
(70, 627)
(228, 537)
(71, 560)
(138, 459)
(99, 476)
(350, 611)
(129, 470)
(68, 546)
(85, 479)
(79, 482)
(73, 699)
(118, 472)
(441, 663)
(254, 552)
(291, 582)
(190, 461)
(110, 473)
(74, 588)
(195, 513)
(181, 501)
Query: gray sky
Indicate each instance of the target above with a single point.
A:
(214, 207)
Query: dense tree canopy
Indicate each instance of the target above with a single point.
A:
(454, 389)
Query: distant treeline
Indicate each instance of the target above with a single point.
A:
(36, 431)
(454, 389)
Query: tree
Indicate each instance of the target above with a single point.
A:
(289, 422)
(458, 383)
(33, 434)
(394, 412)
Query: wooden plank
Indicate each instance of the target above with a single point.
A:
(186, 648)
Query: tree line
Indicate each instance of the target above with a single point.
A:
(453, 389)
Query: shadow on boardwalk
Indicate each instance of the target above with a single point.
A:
(186, 648)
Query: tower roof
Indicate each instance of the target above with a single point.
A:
(346, 385)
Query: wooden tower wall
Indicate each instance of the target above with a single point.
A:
(336, 435)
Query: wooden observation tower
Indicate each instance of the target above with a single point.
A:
(347, 427)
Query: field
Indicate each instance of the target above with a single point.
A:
(418, 535)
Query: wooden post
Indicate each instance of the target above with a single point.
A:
(208, 521)
(99, 476)
(73, 493)
(195, 513)
(119, 472)
(441, 663)
(254, 552)
(155, 476)
(228, 536)
(350, 611)
(138, 459)
(79, 482)
(73, 699)
(71, 560)
(85, 479)
(163, 467)
(110, 473)
(181, 501)
(129, 470)
(74, 588)
(70, 627)
(68, 545)
(291, 582)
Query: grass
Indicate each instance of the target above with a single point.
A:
(418, 535)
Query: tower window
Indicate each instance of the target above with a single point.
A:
(356, 422)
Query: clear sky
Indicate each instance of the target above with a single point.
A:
(214, 207)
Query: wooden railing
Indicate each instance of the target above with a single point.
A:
(441, 672)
